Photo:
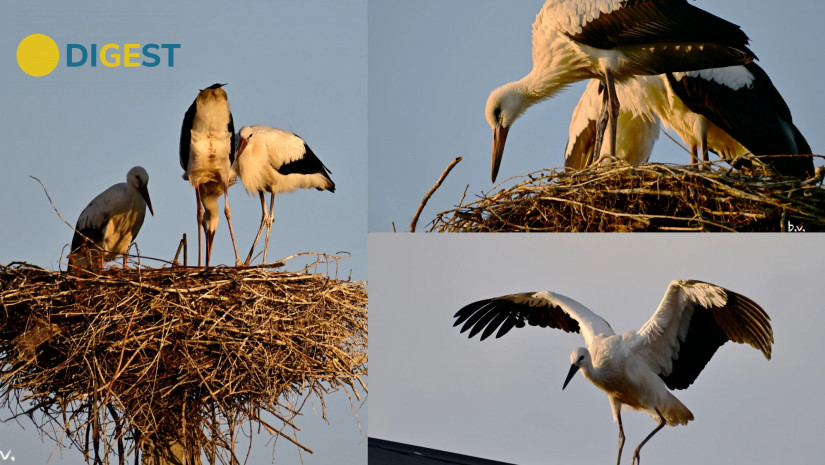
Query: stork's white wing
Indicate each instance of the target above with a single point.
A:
(693, 320)
(544, 309)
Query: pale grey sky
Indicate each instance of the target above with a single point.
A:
(502, 399)
(299, 66)
(433, 64)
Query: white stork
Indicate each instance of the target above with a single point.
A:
(276, 161)
(730, 111)
(639, 128)
(111, 221)
(636, 368)
(207, 142)
(612, 40)
(736, 110)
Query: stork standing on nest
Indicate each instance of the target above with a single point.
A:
(111, 221)
(612, 40)
(276, 161)
(636, 368)
(207, 143)
(731, 111)
(736, 110)
(638, 125)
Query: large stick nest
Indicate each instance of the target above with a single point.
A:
(114, 360)
(649, 197)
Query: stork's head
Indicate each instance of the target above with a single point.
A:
(504, 106)
(138, 178)
(580, 357)
(213, 92)
(209, 193)
(243, 135)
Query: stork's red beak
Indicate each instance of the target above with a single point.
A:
(241, 146)
(144, 192)
(499, 137)
(210, 239)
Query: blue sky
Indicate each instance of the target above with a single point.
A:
(432, 65)
(299, 66)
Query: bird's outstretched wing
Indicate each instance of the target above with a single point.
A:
(693, 320)
(545, 309)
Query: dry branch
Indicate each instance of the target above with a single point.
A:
(431, 192)
(649, 197)
(174, 355)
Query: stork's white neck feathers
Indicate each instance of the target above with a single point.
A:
(555, 66)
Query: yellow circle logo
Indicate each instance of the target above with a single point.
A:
(37, 55)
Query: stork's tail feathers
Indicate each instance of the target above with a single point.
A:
(675, 412)
(329, 185)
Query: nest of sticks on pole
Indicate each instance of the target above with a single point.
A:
(128, 360)
(648, 197)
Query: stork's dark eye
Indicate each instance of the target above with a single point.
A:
(581, 358)
(497, 113)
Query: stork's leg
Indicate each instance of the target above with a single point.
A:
(705, 159)
(662, 423)
(613, 110)
(694, 159)
(200, 221)
(229, 220)
(270, 219)
(601, 127)
(621, 437)
(260, 229)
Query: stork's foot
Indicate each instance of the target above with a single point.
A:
(604, 160)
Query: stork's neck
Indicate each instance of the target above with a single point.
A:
(556, 64)
(210, 210)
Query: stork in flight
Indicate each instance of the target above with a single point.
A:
(612, 40)
(276, 161)
(207, 150)
(636, 369)
(111, 221)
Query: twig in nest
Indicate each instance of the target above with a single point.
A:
(647, 197)
(432, 191)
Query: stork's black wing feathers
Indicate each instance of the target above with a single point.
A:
(308, 164)
(756, 116)
(186, 134)
(231, 128)
(505, 313)
(94, 235)
(704, 337)
(640, 22)
(740, 320)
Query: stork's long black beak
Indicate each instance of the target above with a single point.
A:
(499, 137)
(144, 192)
(573, 369)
